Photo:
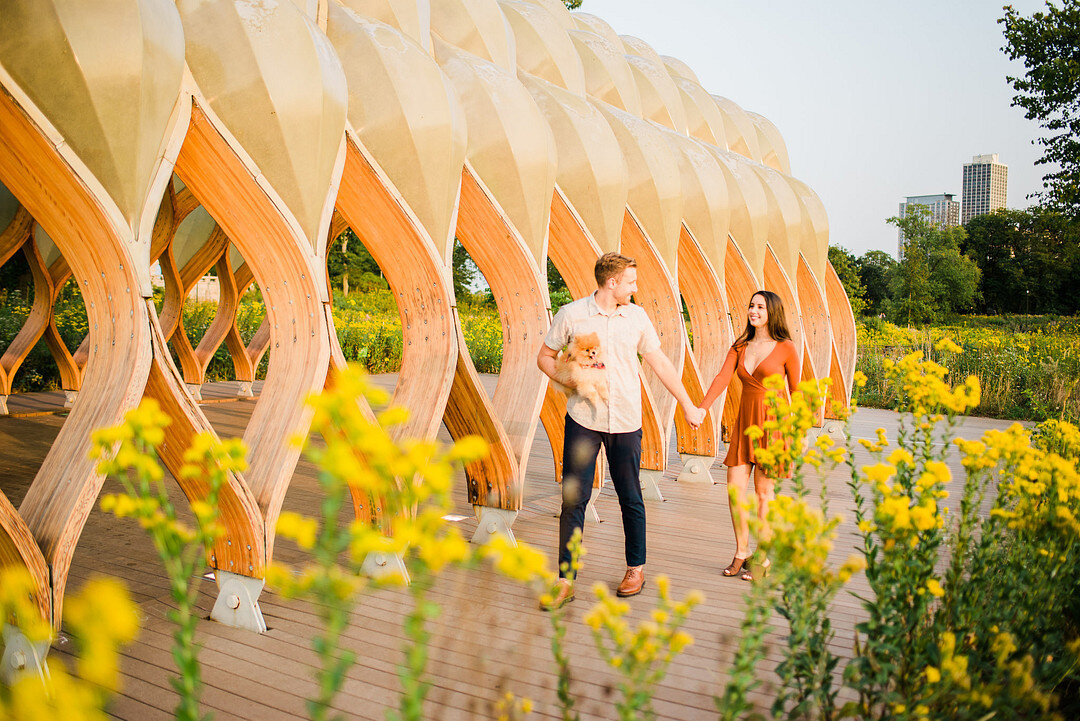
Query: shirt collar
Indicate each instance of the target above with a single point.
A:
(595, 309)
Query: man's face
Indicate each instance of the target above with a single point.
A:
(624, 286)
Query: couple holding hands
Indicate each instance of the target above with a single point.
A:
(608, 411)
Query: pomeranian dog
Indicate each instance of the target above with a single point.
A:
(580, 369)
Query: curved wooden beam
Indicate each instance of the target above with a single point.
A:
(63, 492)
(523, 309)
(71, 373)
(241, 548)
(417, 277)
(15, 234)
(571, 246)
(656, 295)
(224, 321)
(650, 234)
(703, 292)
(36, 322)
(296, 320)
(587, 211)
(815, 321)
(407, 147)
(844, 349)
(18, 547)
(246, 356)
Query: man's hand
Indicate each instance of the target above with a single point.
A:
(694, 416)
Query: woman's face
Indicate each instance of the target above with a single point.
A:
(758, 313)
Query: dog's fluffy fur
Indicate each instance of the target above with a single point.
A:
(580, 369)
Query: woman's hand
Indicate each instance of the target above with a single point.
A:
(694, 416)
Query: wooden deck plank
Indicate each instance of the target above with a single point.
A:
(500, 644)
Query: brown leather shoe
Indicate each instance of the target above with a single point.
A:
(561, 594)
(632, 582)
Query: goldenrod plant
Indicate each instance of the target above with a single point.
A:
(797, 540)
(512, 708)
(734, 703)
(101, 618)
(996, 634)
(557, 618)
(642, 655)
(127, 453)
(411, 481)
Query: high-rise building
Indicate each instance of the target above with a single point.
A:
(986, 186)
(944, 213)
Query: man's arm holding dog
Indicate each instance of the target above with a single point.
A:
(665, 371)
(545, 360)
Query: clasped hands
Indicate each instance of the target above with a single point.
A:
(694, 416)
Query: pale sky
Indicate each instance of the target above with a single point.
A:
(876, 101)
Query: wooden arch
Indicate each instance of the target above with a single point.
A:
(706, 225)
(102, 224)
(650, 235)
(785, 239)
(268, 176)
(506, 190)
(406, 132)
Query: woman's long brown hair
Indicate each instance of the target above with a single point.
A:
(777, 323)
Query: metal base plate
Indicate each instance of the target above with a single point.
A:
(22, 656)
(696, 469)
(492, 521)
(237, 603)
(650, 485)
(381, 566)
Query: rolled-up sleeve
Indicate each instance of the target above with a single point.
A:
(558, 334)
(649, 341)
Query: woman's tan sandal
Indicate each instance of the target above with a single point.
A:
(735, 566)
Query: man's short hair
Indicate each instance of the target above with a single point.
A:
(611, 265)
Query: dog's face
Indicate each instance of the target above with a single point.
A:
(585, 349)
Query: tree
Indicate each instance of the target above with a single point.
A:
(464, 270)
(996, 243)
(1049, 92)
(875, 267)
(843, 262)
(572, 4)
(350, 265)
(934, 279)
(1030, 260)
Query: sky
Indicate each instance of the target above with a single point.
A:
(876, 101)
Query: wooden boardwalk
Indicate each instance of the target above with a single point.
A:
(490, 638)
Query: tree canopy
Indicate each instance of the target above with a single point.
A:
(875, 267)
(844, 263)
(1049, 92)
(934, 279)
(1030, 261)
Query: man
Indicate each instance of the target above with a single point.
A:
(625, 331)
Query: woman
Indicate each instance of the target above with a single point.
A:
(763, 349)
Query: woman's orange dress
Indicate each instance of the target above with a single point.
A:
(783, 359)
